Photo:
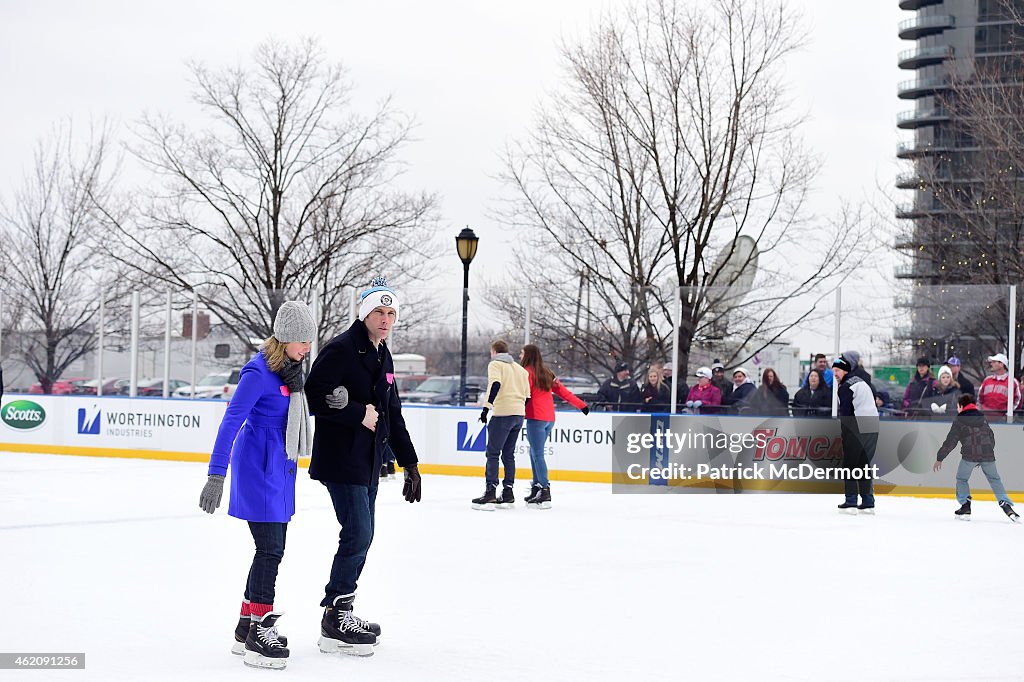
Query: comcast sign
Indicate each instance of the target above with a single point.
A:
(23, 415)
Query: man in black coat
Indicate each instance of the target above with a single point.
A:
(352, 396)
(619, 393)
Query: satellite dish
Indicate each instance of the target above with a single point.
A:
(734, 272)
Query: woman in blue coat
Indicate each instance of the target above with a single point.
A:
(264, 431)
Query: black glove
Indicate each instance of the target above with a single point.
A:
(411, 490)
(483, 415)
(585, 410)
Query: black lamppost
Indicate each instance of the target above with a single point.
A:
(465, 243)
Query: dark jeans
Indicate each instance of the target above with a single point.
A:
(354, 507)
(269, 539)
(858, 451)
(502, 434)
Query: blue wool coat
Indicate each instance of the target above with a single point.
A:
(251, 438)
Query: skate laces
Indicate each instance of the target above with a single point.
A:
(268, 636)
(349, 622)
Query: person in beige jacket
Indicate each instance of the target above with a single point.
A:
(508, 389)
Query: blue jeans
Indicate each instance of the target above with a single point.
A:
(262, 580)
(502, 435)
(964, 471)
(537, 433)
(354, 507)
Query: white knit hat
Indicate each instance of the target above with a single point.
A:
(945, 370)
(379, 294)
(294, 323)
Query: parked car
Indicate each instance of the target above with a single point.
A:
(444, 390)
(59, 387)
(217, 386)
(408, 383)
(155, 387)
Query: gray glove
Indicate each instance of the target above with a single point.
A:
(338, 398)
(209, 499)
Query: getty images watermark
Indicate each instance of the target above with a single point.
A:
(737, 454)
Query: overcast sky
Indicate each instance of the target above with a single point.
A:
(470, 72)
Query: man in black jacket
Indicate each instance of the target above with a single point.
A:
(977, 449)
(352, 396)
(858, 422)
(619, 393)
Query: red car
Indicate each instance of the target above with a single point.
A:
(59, 387)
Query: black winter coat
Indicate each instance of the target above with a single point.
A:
(619, 396)
(655, 400)
(817, 403)
(770, 401)
(977, 441)
(345, 451)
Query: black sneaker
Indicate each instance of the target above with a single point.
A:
(507, 499)
(340, 631)
(1010, 514)
(486, 501)
(964, 512)
(848, 508)
(534, 490)
(542, 500)
(263, 647)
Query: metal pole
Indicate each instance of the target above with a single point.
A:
(167, 349)
(133, 371)
(839, 318)
(1011, 403)
(675, 345)
(195, 339)
(99, 347)
(314, 347)
(465, 329)
(529, 296)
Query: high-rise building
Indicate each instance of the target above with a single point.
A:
(954, 46)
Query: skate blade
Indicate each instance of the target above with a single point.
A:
(238, 649)
(255, 660)
(852, 511)
(538, 505)
(483, 507)
(334, 646)
(505, 506)
(867, 512)
(963, 517)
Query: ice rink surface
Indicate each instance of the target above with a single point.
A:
(112, 557)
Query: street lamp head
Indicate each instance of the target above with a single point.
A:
(466, 242)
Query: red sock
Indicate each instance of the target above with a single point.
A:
(257, 611)
(246, 609)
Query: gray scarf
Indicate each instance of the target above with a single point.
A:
(296, 440)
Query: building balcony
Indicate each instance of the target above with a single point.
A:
(908, 181)
(906, 272)
(911, 5)
(913, 211)
(922, 87)
(919, 27)
(916, 118)
(924, 56)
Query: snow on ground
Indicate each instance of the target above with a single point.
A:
(112, 557)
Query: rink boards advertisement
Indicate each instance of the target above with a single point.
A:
(637, 453)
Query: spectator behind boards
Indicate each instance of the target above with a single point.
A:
(619, 392)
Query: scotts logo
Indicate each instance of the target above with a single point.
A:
(24, 415)
(385, 300)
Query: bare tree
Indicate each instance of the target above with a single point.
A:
(289, 193)
(48, 268)
(670, 139)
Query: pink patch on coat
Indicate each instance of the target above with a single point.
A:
(391, 377)
(284, 391)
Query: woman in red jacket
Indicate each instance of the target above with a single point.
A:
(540, 418)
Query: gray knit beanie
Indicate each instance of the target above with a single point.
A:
(294, 323)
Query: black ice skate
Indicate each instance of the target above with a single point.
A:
(383, 471)
(868, 509)
(964, 512)
(848, 508)
(534, 491)
(507, 499)
(1010, 514)
(242, 632)
(391, 468)
(263, 647)
(541, 501)
(341, 632)
(487, 501)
